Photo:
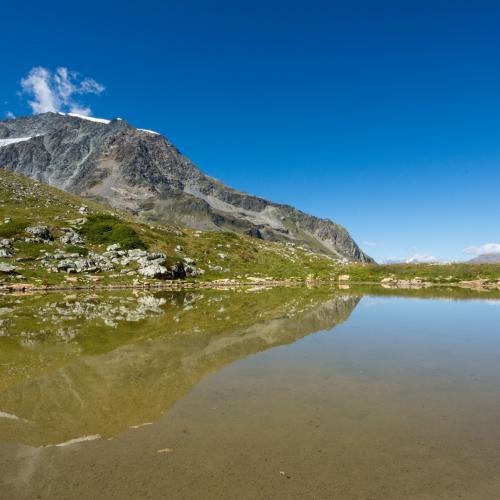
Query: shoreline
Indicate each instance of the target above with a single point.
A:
(478, 285)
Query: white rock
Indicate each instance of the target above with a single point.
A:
(7, 268)
(153, 271)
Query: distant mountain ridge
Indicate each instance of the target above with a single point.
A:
(486, 258)
(142, 172)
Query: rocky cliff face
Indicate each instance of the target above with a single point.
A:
(142, 172)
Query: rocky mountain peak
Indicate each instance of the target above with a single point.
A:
(142, 172)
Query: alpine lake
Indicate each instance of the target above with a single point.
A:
(251, 393)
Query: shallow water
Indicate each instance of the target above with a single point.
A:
(284, 393)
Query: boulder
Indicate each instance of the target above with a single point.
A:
(193, 270)
(93, 263)
(7, 268)
(152, 258)
(387, 281)
(66, 265)
(71, 237)
(156, 256)
(39, 232)
(178, 271)
(255, 233)
(154, 271)
(115, 247)
(137, 253)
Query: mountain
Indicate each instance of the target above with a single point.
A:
(486, 258)
(140, 171)
(47, 234)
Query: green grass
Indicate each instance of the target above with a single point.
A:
(83, 251)
(12, 228)
(107, 229)
(31, 251)
(435, 273)
(28, 202)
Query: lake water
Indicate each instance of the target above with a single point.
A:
(295, 393)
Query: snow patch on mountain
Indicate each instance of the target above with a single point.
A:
(148, 131)
(89, 118)
(103, 120)
(6, 142)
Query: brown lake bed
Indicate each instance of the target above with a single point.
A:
(285, 393)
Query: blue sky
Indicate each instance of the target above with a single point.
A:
(383, 116)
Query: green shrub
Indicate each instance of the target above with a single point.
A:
(12, 228)
(31, 250)
(106, 229)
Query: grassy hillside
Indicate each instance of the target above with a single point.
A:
(434, 273)
(220, 255)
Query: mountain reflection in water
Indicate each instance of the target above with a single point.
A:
(94, 365)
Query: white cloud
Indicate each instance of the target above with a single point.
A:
(370, 243)
(10, 114)
(84, 111)
(55, 91)
(417, 258)
(482, 249)
(420, 257)
(37, 84)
